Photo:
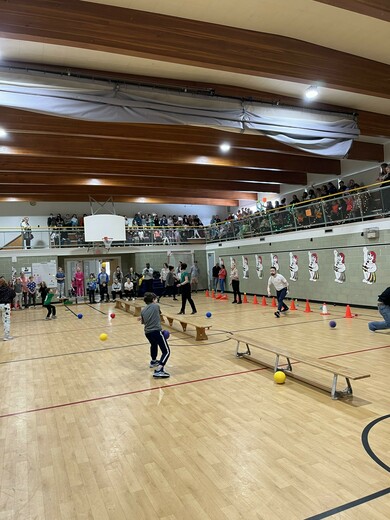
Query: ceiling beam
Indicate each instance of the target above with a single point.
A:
(58, 197)
(16, 121)
(10, 190)
(112, 182)
(51, 166)
(378, 9)
(98, 148)
(178, 40)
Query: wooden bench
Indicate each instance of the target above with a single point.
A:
(337, 370)
(199, 324)
(127, 305)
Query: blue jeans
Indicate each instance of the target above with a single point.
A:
(280, 295)
(381, 325)
(215, 284)
(222, 285)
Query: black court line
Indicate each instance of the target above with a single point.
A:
(95, 309)
(366, 444)
(350, 505)
(375, 458)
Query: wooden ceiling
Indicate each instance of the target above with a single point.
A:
(60, 159)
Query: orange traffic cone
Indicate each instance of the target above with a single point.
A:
(292, 306)
(307, 309)
(245, 299)
(218, 296)
(264, 302)
(348, 313)
(224, 297)
(207, 293)
(273, 304)
(212, 294)
(324, 311)
(255, 302)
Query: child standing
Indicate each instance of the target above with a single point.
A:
(32, 291)
(51, 310)
(91, 287)
(150, 318)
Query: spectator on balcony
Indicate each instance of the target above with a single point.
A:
(331, 188)
(294, 200)
(26, 232)
(324, 190)
(51, 221)
(164, 221)
(74, 221)
(384, 174)
(312, 194)
(342, 186)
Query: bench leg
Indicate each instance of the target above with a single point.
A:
(201, 333)
(183, 326)
(241, 354)
(170, 321)
(341, 393)
(137, 311)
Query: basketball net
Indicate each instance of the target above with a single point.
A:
(107, 242)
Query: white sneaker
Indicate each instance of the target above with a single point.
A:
(8, 338)
(54, 317)
(48, 318)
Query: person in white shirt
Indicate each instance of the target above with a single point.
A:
(281, 286)
(147, 273)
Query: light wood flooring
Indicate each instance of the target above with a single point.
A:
(87, 433)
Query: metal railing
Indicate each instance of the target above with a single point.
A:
(357, 205)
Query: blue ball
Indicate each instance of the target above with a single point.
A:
(79, 316)
(166, 334)
(208, 314)
(332, 324)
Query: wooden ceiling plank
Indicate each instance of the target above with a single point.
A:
(98, 148)
(379, 9)
(177, 40)
(112, 182)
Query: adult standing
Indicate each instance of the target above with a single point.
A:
(195, 272)
(24, 280)
(18, 288)
(384, 310)
(281, 285)
(164, 272)
(7, 294)
(235, 283)
(185, 290)
(216, 270)
(118, 276)
(103, 280)
(147, 273)
(26, 233)
(170, 284)
(222, 277)
(60, 277)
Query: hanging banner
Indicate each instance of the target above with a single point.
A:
(313, 267)
(293, 267)
(259, 266)
(369, 266)
(245, 267)
(275, 261)
(339, 266)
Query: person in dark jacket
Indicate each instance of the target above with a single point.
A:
(384, 310)
(7, 294)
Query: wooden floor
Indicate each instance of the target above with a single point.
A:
(87, 433)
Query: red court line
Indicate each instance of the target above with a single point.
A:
(142, 390)
(354, 352)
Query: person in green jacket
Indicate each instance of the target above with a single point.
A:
(51, 310)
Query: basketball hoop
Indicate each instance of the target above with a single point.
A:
(107, 242)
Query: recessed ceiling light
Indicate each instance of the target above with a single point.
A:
(311, 92)
(224, 147)
(3, 133)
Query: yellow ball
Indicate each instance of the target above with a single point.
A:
(104, 264)
(103, 336)
(279, 377)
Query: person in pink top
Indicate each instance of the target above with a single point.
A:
(79, 279)
(222, 278)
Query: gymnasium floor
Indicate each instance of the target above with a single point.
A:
(87, 433)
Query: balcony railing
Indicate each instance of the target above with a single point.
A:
(353, 206)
